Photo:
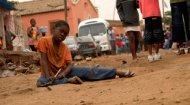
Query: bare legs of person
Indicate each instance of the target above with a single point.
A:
(134, 41)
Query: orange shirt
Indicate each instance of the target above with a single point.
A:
(56, 58)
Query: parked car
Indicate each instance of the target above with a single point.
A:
(87, 46)
(71, 42)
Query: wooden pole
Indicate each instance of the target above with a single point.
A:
(65, 10)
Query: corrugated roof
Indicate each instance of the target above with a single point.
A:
(39, 6)
(7, 5)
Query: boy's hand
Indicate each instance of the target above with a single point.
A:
(51, 78)
(60, 76)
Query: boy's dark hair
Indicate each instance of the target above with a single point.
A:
(32, 19)
(61, 23)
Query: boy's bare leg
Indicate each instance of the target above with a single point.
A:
(150, 49)
(157, 47)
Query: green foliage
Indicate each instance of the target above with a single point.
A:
(167, 18)
(13, 2)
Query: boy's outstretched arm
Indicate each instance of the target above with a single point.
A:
(45, 66)
(66, 70)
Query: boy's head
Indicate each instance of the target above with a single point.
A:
(33, 22)
(61, 30)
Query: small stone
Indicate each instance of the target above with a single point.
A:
(161, 91)
(90, 87)
(153, 98)
(167, 77)
(21, 69)
(10, 64)
(82, 101)
(135, 99)
(124, 62)
(178, 101)
(78, 57)
(121, 103)
(12, 67)
(97, 65)
(88, 58)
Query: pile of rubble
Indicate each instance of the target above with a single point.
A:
(12, 63)
(8, 68)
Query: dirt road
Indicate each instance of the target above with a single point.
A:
(165, 82)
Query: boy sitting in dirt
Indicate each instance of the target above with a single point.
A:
(56, 66)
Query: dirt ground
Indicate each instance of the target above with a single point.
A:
(165, 82)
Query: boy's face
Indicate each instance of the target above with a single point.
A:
(60, 33)
(33, 23)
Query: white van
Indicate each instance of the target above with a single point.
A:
(97, 28)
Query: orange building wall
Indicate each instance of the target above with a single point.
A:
(43, 19)
(75, 12)
(83, 10)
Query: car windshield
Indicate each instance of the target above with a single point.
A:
(70, 40)
(95, 29)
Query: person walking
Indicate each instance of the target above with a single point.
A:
(180, 24)
(112, 40)
(153, 34)
(127, 11)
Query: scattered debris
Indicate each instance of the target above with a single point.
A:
(78, 58)
(7, 73)
(124, 62)
(21, 69)
(88, 58)
(12, 63)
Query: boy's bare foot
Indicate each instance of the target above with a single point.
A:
(75, 80)
(126, 74)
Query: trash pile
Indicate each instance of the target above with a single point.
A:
(8, 68)
(12, 63)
